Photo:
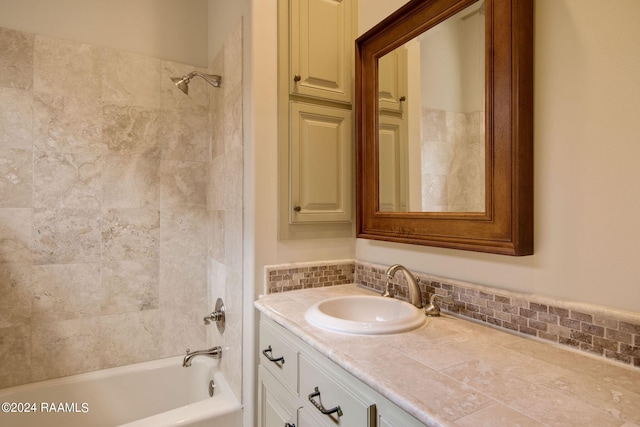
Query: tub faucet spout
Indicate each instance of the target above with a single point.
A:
(415, 296)
(215, 352)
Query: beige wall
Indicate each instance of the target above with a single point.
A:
(586, 173)
(166, 29)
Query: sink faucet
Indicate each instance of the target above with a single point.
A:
(415, 296)
(215, 352)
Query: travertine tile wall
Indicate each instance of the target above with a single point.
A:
(104, 208)
(225, 205)
(600, 331)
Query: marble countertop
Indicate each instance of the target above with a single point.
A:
(454, 372)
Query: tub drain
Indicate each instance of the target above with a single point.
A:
(212, 385)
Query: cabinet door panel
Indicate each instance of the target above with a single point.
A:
(320, 164)
(321, 49)
(277, 407)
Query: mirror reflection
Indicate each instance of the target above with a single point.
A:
(431, 118)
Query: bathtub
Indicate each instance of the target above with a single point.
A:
(150, 394)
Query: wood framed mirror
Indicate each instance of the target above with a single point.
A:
(408, 194)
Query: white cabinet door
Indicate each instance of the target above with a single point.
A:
(320, 159)
(321, 49)
(276, 406)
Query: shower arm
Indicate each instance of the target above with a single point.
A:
(212, 79)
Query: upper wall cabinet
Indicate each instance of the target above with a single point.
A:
(321, 45)
(315, 119)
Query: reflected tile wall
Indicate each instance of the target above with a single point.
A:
(107, 211)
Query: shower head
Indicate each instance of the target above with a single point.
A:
(183, 82)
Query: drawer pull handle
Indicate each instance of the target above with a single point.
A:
(321, 408)
(289, 425)
(267, 354)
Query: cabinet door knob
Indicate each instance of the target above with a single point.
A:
(297, 78)
(297, 208)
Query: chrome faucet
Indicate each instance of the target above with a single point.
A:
(415, 296)
(215, 352)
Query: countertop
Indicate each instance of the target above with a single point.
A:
(454, 372)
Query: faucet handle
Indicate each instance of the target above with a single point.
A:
(432, 309)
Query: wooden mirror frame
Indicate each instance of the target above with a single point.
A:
(506, 226)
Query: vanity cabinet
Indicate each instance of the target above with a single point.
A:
(300, 387)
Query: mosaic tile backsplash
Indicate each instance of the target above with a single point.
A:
(600, 331)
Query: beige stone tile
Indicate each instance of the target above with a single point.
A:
(131, 182)
(15, 229)
(131, 131)
(129, 337)
(217, 184)
(130, 234)
(600, 393)
(16, 293)
(538, 402)
(233, 120)
(16, 61)
(67, 180)
(183, 233)
(183, 283)
(497, 415)
(65, 291)
(217, 231)
(16, 178)
(64, 348)
(183, 185)
(233, 239)
(16, 118)
(234, 180)
(184, 136)
(129, 286)
(131, 79)
(62, 236)
(182, 329)
(68, 68)
(15, 355)
(67, 123)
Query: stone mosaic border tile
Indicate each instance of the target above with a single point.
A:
(289, 277)
(601, 331)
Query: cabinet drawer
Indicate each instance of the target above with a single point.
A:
(317, 387)
(279, 357)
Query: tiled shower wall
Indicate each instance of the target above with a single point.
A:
(600, 331)
(104, 208)
(225, 205)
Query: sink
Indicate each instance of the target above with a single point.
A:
(365, 314)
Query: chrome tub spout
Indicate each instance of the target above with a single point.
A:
(215, 352)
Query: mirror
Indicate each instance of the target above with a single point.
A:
(431, 151)
(445, 154)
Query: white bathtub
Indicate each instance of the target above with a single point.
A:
(150, 394)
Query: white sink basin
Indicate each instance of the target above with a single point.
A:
(363, 314)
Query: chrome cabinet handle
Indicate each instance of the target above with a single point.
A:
(270, 357)
(289, 425)
(321, 408)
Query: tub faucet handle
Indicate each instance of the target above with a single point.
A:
(217, 316)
